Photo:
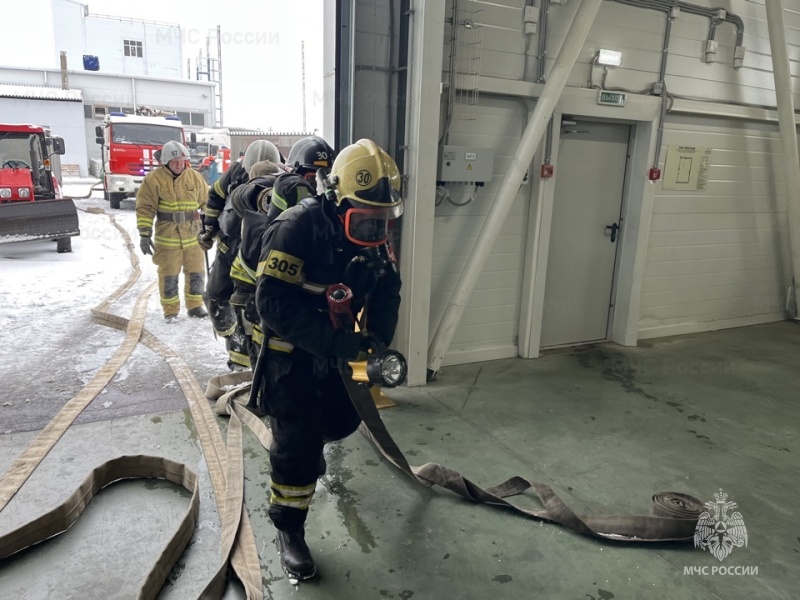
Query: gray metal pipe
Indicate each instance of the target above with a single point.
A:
(788, 129)
(544, 13)
(451, 73)
(531, 138)
(709, 13)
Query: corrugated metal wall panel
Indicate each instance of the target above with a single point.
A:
(718, 254)
(372, 105)
(715, 255)
(490, 320)
(687, 73)
(691, 238)
(369, 120)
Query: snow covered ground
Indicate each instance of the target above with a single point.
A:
(52, 347)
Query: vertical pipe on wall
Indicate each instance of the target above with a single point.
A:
(64, 74)
(540, 77)
(451, 73)
(531, 138)
(399, 149)
(544, 13)
(662, 72)
(389, 77)
(219, 77)
(344, 73)
(788, 131)
(329, 17)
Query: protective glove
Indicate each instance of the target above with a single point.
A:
(250, 310)
(348, 344)
(206, 238)
(146, 244)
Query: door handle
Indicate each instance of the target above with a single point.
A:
(614, 229)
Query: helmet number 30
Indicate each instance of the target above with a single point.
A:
(363, 177)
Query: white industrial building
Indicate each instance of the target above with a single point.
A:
(695, 249)
(64, 116)
(138, 63)
(121, 45)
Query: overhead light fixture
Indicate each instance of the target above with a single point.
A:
(609, 58)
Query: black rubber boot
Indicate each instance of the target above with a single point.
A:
(198, 312)
(295, 556)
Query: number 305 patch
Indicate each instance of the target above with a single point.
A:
(281, 266)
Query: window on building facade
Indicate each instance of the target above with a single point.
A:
(198, 119)
(87, 111)
(100, 112)
(184, 117)
(133, 48)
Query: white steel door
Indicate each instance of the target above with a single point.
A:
(585, 232)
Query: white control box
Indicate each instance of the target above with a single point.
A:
(465, 164)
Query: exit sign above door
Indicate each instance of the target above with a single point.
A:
(611, 98)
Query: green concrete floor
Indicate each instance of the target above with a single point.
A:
(605, 426)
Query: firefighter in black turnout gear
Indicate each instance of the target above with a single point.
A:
(309, 154)
(258, 203)
(340, 236)
(221, 222)
(245, 201)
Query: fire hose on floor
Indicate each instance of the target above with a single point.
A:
(93, 188)
(674, 515)
(225, 468)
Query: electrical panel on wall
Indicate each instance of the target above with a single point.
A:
(465, 164)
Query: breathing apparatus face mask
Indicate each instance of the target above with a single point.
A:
(366, 220)
(310, 176)
(369, 226)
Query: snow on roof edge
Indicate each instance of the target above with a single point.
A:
(34, 92)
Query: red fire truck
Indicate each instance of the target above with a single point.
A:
(31, 204)
(129, 144)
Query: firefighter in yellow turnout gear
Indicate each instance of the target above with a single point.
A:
(171, 196)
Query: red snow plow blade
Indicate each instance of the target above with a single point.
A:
(37, 220)
(31, 206)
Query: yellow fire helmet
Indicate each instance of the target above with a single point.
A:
(364, 182)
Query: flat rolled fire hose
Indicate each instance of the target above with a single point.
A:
(674, 519)
(674, 514)
(63, 516)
